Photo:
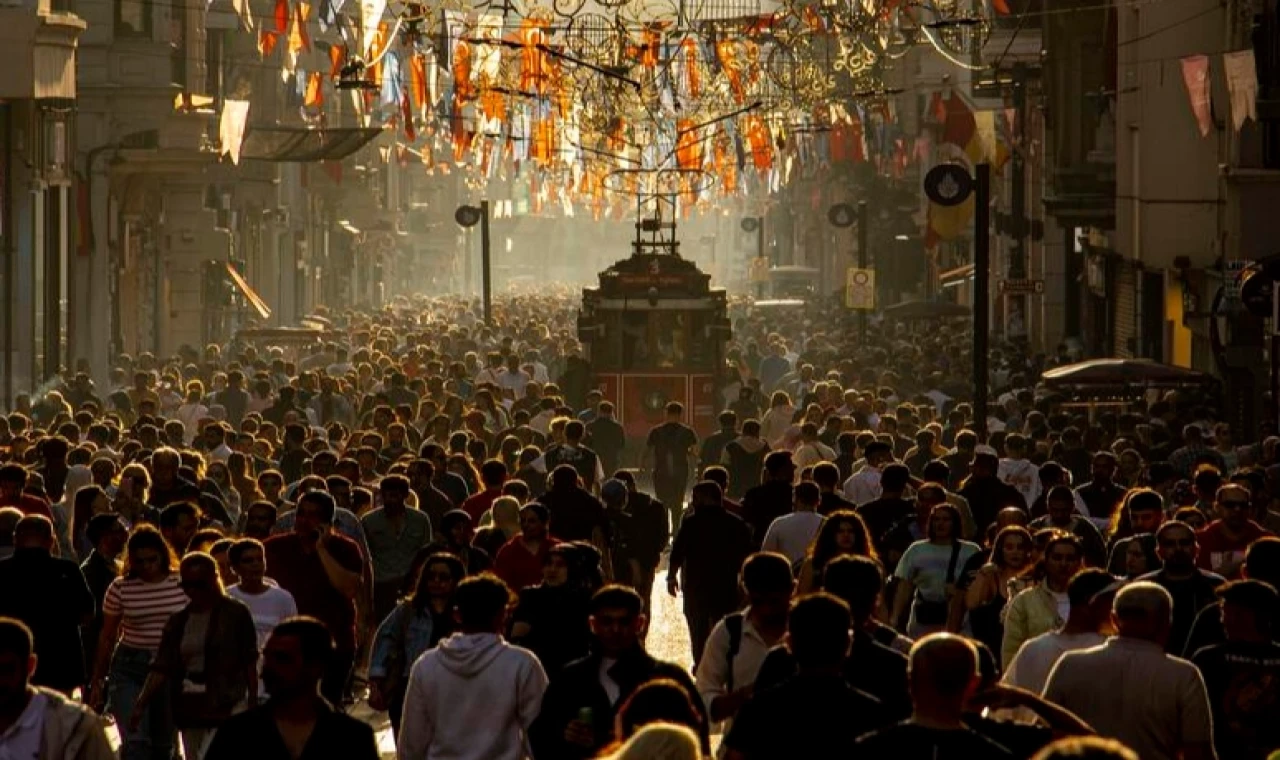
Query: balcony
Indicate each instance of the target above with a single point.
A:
(38, 50)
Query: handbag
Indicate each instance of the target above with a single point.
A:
(935, 613)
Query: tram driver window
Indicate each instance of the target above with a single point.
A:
(654, 340)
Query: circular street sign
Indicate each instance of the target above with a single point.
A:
(948, 184)
(842, 215)
(467, 216)
(750, 224)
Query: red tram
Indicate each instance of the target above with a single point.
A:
(654, 331)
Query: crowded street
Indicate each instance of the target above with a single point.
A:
(639, 380)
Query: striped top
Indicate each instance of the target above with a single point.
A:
(144, 608)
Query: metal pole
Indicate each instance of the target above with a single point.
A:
(486, 279)
(981, 295)
(10, 257)
(760, 255)
(862, 264)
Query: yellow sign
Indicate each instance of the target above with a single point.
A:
(860, 289)
(760, 269)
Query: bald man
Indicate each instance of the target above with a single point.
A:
(1128, 689)
(943, 674)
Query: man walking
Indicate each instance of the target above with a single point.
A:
(296, 723)
(705, 558)
(40, 723)
(669, 451)
(1129, 689)
(475, 695)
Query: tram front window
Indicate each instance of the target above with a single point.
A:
(654, 340)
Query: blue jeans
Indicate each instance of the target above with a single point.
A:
(154, 739)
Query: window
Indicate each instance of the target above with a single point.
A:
(133, 18)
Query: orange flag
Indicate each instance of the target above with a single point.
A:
(418, 79)
(688, 145)
(406, 111)
(267, 42)
(314, 97)
(299, 39)
(761, 146)
(336, 54)
(282, 16)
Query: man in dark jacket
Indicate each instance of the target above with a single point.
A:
(50, 595)
(578, 708)
(294, 660)
(772, 498)
(606, 437)
(707, 554)
(649, 533)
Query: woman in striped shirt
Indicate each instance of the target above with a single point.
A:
(134, 613)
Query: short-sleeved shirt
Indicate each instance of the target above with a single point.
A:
(1243, 680)
(302, 574)
(144, 608)
(925, 565)
(392, 552)
(671, 443)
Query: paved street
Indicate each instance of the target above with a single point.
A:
(668, 640)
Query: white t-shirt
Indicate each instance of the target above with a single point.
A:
(790, 535)
(268, 609)
(612, 689)
(1064, 604)
(1034, 661)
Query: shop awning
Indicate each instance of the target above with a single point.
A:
(249, 293)
(297, 145)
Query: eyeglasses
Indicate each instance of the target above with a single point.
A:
(1234, 504)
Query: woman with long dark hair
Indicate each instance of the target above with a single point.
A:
(988, 593)
(927, 573)
(842, 533)
(414, 626)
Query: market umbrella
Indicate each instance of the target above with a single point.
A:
(1115, 372)
(926, 310)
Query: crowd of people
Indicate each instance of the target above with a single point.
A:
(227, 548)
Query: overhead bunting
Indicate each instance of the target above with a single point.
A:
(1242, 84)
(1195, 75)
(231, 127)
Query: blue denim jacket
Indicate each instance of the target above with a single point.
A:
(417, 638)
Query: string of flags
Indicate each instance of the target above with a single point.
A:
(1241, 74)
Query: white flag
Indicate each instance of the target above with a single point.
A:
(235, 115)
(1242, 84)
(370, 16)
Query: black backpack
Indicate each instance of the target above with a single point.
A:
(733, 624)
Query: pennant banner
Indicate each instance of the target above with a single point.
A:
(1195, 75)
(235, 115)
(1242, 84)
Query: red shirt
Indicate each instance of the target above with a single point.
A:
(302, 574)
(28, 505)
(1218, 552)
(517, 567)
(477, 505)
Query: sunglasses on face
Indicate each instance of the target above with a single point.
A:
(1234, 504)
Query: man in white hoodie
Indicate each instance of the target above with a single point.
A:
(474, 696)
